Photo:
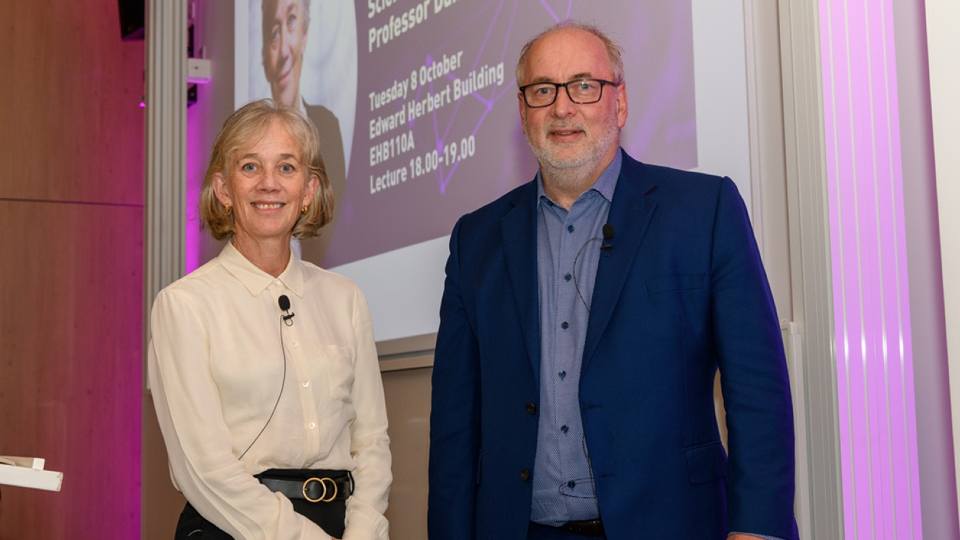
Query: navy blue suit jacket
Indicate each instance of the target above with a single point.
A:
(681, 294)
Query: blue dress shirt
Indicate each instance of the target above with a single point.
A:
(568, 252)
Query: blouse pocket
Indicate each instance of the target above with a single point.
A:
(336, 363)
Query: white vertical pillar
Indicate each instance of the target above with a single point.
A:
(166, 104)
(819, 515)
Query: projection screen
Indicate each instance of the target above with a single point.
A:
(416, 102)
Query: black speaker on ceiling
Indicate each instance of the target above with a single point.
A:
(131, 19)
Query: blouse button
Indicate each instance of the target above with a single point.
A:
(306, 384)
(312, 425)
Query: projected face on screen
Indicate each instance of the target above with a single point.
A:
(285, 25)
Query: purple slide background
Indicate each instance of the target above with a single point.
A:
(658, 56)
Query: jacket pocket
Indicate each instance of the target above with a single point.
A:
(676, 282)
(706, 462)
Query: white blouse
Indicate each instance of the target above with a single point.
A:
(215, 369)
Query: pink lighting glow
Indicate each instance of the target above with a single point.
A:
(195, 156)
(875, 391)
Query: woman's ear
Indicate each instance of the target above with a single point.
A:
(221, 190)
(313, 184)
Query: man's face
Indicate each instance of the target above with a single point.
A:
(566, 135)
(284, 38)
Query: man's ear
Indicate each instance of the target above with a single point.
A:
(622, 107)
(523, 111)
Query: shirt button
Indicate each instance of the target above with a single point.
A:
(569, 228)
(564, 429)
(525, 474)
(571, 484)
(564, 325)
(306, 384)
(567, 277)
(562, 375)
(312, 425)
(531, 407)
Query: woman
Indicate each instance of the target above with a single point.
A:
(262, 366)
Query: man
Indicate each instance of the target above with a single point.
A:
(583, 319)
(285, 25)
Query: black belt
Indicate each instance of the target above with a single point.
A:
(587, 527)
(315, 486)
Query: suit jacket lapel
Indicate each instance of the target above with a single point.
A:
(630, 214)
(518, 228)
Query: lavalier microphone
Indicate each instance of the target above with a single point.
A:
(288, 315)
(607, 243)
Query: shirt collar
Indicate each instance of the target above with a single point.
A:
(605, 185)
(255, 279)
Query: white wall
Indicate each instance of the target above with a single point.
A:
(931, 384)
(943, 44)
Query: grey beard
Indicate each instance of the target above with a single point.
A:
(566, 178)
(574, 173)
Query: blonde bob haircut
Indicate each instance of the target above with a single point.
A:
(243, 128)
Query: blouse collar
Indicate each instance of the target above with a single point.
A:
(255, 279)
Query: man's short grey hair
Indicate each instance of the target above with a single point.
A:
(614, 52)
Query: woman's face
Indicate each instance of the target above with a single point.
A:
(266, 184)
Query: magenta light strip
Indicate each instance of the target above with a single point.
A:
(875, 392)
(194, 178)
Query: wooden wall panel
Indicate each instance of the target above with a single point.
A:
(70, 340)
(162, 503)
(408, 409)
(71, 230)
(71, 128)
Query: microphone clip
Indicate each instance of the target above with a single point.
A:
(606, 244)
(287, 316)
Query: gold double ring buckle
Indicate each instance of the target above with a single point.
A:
(328, 494)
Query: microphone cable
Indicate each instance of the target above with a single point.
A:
(607, 232)
(283, 382)
(574, 271)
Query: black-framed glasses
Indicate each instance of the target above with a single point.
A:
(580, 91)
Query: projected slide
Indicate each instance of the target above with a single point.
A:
(435, 131)
(416, 101)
